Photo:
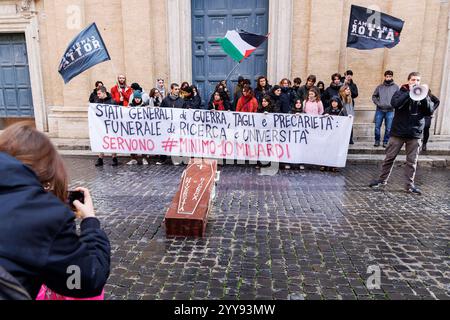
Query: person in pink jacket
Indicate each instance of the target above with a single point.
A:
(313, 105)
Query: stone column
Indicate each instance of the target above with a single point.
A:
(443, 117)
(137, 42)
(179, 40)
(280, 41)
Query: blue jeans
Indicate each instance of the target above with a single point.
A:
(388, 117)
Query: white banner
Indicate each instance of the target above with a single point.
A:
(286, 138)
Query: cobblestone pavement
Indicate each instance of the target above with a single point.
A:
(296, 235)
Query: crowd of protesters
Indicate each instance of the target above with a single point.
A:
(313, 97)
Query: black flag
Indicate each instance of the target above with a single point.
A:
(369, 29)
(85, 51)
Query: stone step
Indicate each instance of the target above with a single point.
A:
(353, 159)
(370, 138)
(71, 144)
(377, 159)
(433, 149)
(366, 132)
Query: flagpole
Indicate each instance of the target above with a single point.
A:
(346, 59)
(235, 67)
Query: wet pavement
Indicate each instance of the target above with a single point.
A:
(296, 235)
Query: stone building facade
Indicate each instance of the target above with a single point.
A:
(150, 39)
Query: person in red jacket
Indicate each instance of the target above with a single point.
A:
(248, 102)
(121, 92)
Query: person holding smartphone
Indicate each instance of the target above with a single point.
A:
(38, 240)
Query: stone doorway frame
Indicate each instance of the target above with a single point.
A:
(20, 17)
(180, 41)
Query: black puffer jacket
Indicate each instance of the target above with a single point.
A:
(330, 92)
(276, 102)
(287, 99)
(409, 119)
(194, 102)
(38, 239)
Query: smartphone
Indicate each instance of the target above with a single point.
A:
(72, 196)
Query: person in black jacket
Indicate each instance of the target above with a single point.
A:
(348, 80)
(275, 97)
(38, 240)
(93, 95)
(224, 95)
(266, 105)
(336, 108)
(321, 87)
(224, 86)
(103, 97)
(332, 90)
(303, 90)
(173, 100)
(219, 102)
(192, 101)
(296, 90)
(262, 88)
(196, 99)
(287, 96)
(407, 129)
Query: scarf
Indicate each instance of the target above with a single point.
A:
(218, 105)
(246, 104)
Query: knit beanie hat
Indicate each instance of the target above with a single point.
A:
(137, 95)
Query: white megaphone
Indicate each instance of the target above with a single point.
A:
(418, 93)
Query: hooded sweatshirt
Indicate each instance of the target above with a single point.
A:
(339, 111)
(383, 94)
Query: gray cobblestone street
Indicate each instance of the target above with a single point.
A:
(297, 235)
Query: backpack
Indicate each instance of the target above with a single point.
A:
(10, 288)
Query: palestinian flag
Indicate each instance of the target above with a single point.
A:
(240, 45)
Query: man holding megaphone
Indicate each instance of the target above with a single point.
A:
(412, 104)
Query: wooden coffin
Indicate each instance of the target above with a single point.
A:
(188, 213)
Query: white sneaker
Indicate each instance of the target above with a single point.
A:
(302, 167)
(176, 163)
(144, 162)
(287, 167)
(159, 163)
(132, 162)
